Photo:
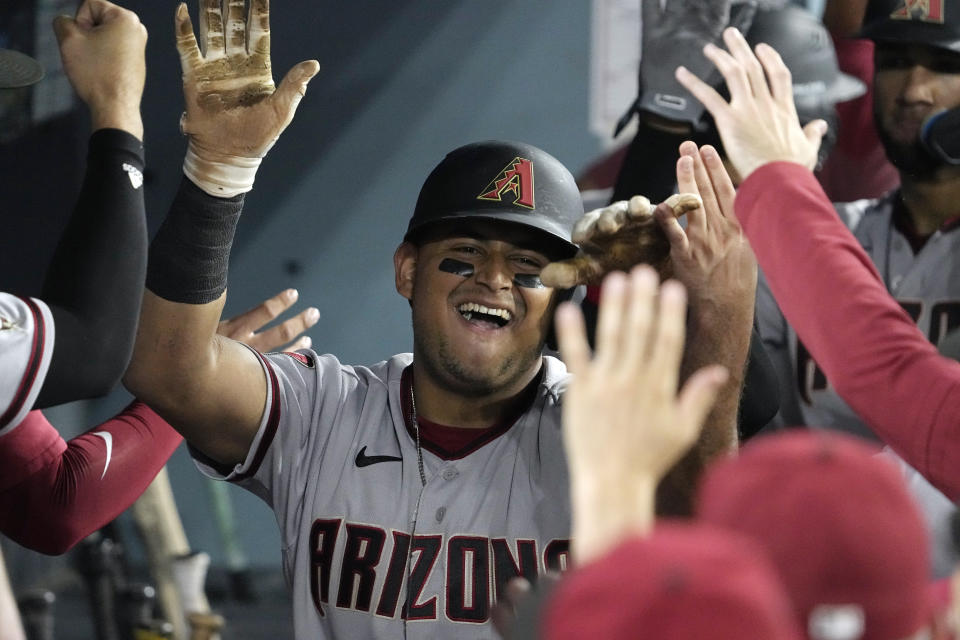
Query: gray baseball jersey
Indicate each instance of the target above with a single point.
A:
(927, 286)
(26, 346)
(368, 550)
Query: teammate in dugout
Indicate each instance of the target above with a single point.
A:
(92, 296)
(75, 341)
(406, 492)
(910, 233)
(823, 279)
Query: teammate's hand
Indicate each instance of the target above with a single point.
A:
(759, 124)
(247, 326)
(616, 238)
(711, 257)
(234, 113)
(624, 423)
(102, 48)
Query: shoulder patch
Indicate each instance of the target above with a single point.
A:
(302, 358)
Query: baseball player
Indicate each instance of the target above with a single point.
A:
(92, 291)
(910, 233)
(668, 115)
(827, 286)
(406, 492)
(76, 341)
(70, 489)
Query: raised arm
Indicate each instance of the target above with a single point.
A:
(829, 291)
(212, 389)
(624, 422)
(712, 258)
(93, 289)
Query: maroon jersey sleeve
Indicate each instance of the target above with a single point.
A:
(869, 348)
(55, 493)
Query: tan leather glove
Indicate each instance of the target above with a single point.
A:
(616, 238)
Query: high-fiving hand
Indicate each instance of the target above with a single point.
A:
(103, 56)
(234, 113)
(759, 124)
(711, 257)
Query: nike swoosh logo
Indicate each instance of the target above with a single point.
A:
(107, 438)
(363, 460)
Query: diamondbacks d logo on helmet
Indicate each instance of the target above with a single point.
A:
(924, 10)
(516, 177)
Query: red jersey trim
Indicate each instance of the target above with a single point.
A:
(33, 365)
(273, 422)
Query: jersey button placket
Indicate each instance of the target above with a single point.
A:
(450, 473)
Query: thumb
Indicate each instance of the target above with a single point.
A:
(64, 27)
(294, 87)
(581, 269)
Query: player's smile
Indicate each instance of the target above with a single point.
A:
(480, 313)
(483, 317)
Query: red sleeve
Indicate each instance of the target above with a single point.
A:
(869, 348)
(55, 493)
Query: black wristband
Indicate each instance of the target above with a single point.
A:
(191, 251)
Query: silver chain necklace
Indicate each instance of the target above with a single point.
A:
(416, 431)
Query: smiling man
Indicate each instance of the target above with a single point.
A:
(409, 491)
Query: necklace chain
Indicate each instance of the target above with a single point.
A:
(416, 431)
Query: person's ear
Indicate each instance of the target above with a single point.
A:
(404, 268)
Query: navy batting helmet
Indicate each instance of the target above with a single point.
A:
(927, 22)
(510, 182)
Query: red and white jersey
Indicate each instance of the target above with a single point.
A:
(26, 346)
(369, 550)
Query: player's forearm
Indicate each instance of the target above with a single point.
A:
(69, 490)
(95, 281)
(176, 349)
(720, 336)
(211, 389)
(605, 511)
(713, 339)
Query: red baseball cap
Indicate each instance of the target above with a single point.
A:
(684, 581)
(839, 525)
